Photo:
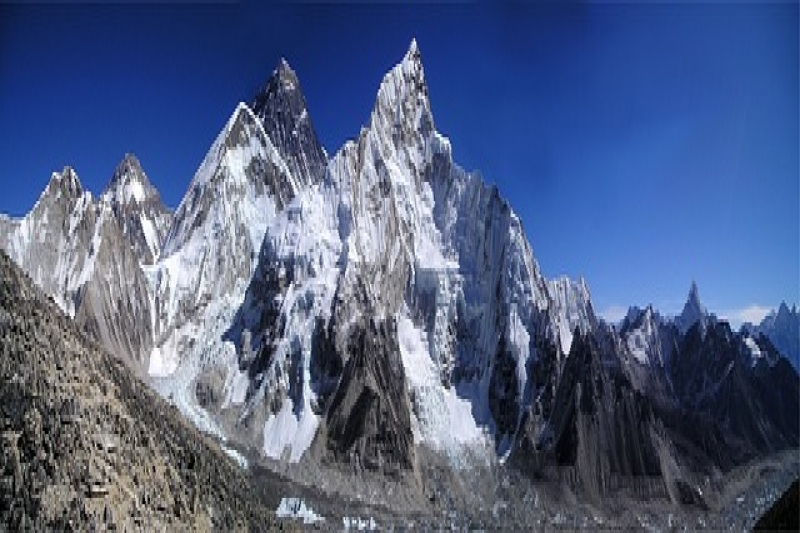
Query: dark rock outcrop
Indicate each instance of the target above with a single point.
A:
(281, 107)
(368, 423)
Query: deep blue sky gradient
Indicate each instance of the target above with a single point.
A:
(642, 146)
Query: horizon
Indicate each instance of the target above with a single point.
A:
(659, 130)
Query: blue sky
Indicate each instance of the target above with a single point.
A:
(642, 146)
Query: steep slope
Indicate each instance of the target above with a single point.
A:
(782, 328)
(440, 250)
(73, 248)
(601, 430)
(281, 108)
(571, 309)
(395, 232)
(713, 374)
(645, 335)
(211, 248)
(114, 302)
(137, 206)
(243, 188)
(694, 312)
(52, 241)
(88, 446)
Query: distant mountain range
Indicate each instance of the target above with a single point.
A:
(378, 306)
(782, 328)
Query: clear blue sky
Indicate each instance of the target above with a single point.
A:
(642, 146)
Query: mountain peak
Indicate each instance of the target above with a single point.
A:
(413, 51)
(65, 181)
(693, 310)
(284, 74)
(694, 296)
(402, 100)
(281, 110)
(129, 182)
(129, 160)
(283, 79)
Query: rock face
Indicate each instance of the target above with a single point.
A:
(572, 308)
(693, 312)
(53, 240)
(88, 446)
(715, 375)
(368, 422)
(212, 246)
(782, 328)
(281, 108)
(137, 207)
(396, 230)
(83, 252)
(600, 427)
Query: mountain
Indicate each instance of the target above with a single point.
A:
(573, 308)
(137, 206)
(211, 248)
(693, 312)
(650, 408)
(281, 108)
(646, 337)
(399, 240)
(382, 314)
(754, 402)
(86, 445)
(75, 248)
(782, 328)
(52, 241)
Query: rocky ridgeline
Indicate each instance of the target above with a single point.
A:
(86, 445)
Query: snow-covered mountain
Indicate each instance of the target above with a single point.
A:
(83, 252)
(572, 308)
(281, 108)
(137, 206)
(211, 248)
(643, 332)
(395, 244)
(52, 240)
(385, 304)
(782, 328)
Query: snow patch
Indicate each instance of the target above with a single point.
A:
(240, 459)
(755, 351)
(443, 417)
(359, 524)
(296, 509)
(289, 433)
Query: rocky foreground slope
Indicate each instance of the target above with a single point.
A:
(86, 445)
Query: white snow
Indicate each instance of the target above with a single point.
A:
(755, 351)
(235, 388)
(240, 459)
(442, 418)
(150, 235)
(359, 524)
(132, 190)
(162, 364)
(637, 345)
(297, 509)
(571, 309)
(289, 433)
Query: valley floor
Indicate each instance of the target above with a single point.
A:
(493, 496)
